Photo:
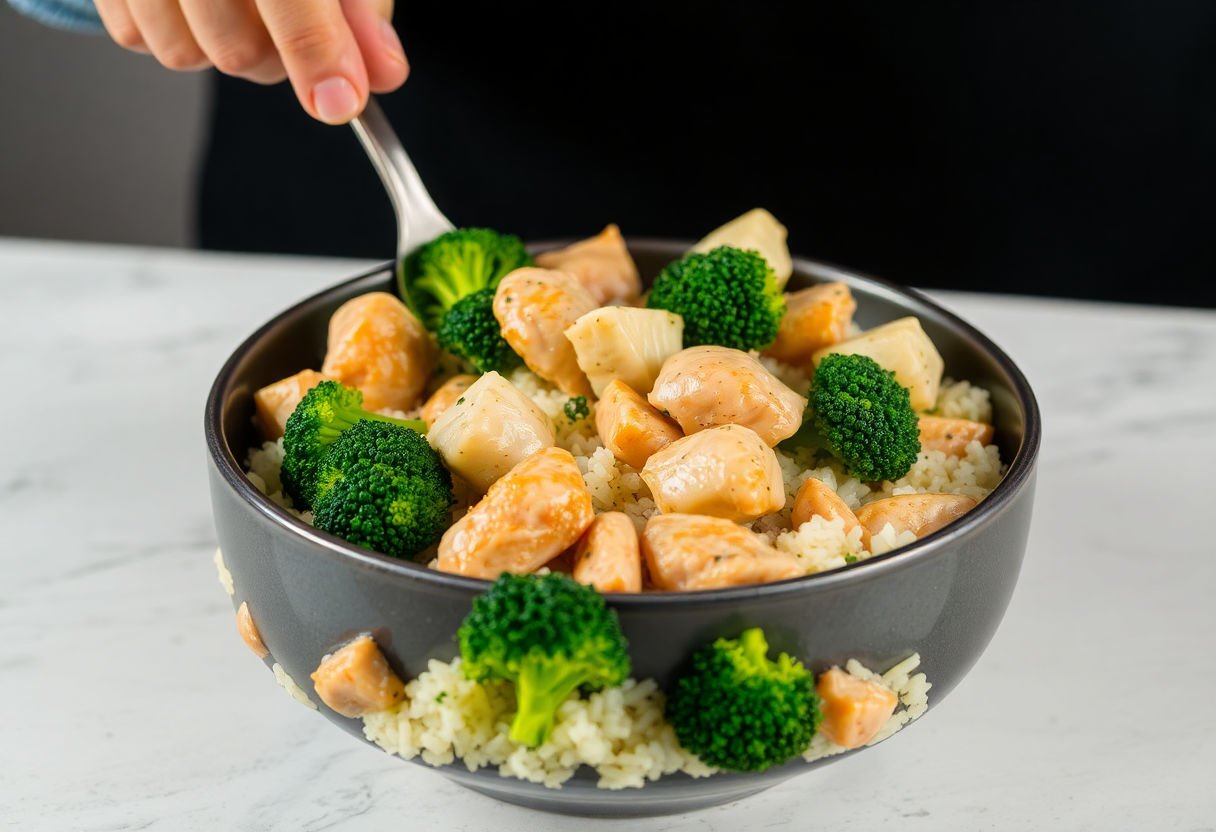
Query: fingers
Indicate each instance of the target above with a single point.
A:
(231, 34)
(371, 23)
(321, 56)
(116, 17)
(167, 35)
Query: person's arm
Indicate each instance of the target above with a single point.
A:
(73, 15)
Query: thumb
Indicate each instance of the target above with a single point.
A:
(371, 23)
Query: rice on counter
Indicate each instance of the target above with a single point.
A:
(619, 732)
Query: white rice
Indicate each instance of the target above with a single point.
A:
(289, 684)
(963, 400)
(224, 575)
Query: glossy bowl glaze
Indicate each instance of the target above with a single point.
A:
(941, 597)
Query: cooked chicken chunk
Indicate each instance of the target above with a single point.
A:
(815, 498)
(275, 402)
(602, 264)
(535, 307)
(920, 514)
(489, 430)
(620, 342)
(527, 518)
(703, 387)
(725, 472)
(757, 230)
(689, 551)
(903, 347)
(356, 680)
(952, 436)
(854, 710)
(445, 397)
(607, 556)
(630, 427)
(378, 346)
(248, 629)
(814, 318)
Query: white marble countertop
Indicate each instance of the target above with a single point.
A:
(129, 703)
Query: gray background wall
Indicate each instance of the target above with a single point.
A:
(95, 143)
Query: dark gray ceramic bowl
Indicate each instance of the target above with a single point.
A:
(942, 597)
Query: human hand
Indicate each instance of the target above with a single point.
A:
(334, 51)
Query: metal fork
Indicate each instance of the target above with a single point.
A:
(418, 219)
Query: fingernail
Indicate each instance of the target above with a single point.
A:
(391, 42)
(335, 100)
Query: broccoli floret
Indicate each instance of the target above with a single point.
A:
(401, 448)
(727, 297)
(576, 408)
(380, 507)
(454, 265)
(864, 417)
(548, 635)
(324, 414)
(470, 330)
(736, 709)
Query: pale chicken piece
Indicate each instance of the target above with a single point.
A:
(952, 436)
(489, 430)
(690, 551)
(703, 387)
(814, 498)
(921, 514)
(629, 427)
(620, 342)
(903, 347)
(533, 513)
(607, 556)
(814, 318)
(378, 346)
(726, 472)
(275, 402)
(854, 710)
(356, 679)
(535, 307)
(446, 396)
(602, 264)
(757, 230)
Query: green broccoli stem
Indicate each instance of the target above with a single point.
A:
(346, 417)
(755, 648)
(542, 686)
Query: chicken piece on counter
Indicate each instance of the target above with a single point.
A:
(757, 230)
(854, 710)
(814, 318)
(620, 342)
(602, 264)
(528, 517)
(275, 402)
(815, 498)
(703, 387)
(607, 556)
(489, 430)
(378, 346)
(902, 347)
(630, 428)
(690, 551)
(445, 397)
(920, 514)
(952, 436)
(726, 472)
(535, 307)
(356, 679)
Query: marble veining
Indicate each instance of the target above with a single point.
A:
(131, 704)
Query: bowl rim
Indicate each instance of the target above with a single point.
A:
(1019, 473)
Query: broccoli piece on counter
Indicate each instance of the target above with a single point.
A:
(548, 635)
(864, 417)
(576, 408)
(470, 330)
(456, 264)
(727, 297)
(324, 414)
(737, 709)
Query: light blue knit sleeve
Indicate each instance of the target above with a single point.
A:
(75, 15)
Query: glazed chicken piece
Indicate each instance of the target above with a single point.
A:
(534, 307)
(854, 710)
(446, 396)
(725, 472)
(356, 679)
(814, 318)
(690, 551)
(607, 556)
(816, 499)
(630, 427)
(275, 402)
(489, 430)
(602, 264)
(920, 514)
(378, 346)
(952, 436)
(703, 387)
(527, 518)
